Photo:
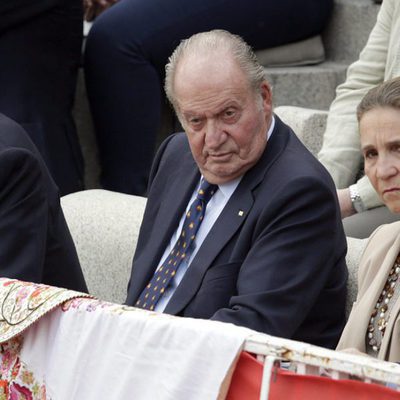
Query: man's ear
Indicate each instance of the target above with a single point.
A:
(266, 95)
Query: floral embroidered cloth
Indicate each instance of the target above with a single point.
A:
(23, 303)
(88, 349)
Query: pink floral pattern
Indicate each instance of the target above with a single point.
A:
(23, 303)
(18, 392)
(17, 382)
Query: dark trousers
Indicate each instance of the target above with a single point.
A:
(40, 50)
(126, 52)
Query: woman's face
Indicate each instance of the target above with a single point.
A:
(380, 144)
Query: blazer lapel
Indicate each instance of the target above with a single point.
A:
(172, 207)
(173, 204)
(231, 218)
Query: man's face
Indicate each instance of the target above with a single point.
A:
(225, 120)
(380, 143)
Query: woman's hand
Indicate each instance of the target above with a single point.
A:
(92, 8)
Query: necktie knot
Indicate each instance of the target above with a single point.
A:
(206, 191)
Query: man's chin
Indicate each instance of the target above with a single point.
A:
(219, 176)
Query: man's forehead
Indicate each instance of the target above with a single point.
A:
(204, 72)
(212, 62)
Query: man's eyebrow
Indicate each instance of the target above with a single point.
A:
(191, 114)
(221, 108)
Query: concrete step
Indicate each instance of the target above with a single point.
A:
(314, 86)
(308, 86)
(349, 28)
(345, 36)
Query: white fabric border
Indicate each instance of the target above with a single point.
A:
(134, 354)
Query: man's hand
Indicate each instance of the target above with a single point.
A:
(346, 206)
(92, 8)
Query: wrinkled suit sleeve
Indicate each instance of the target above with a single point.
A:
(23, 215)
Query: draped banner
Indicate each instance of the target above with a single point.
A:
(59, 345)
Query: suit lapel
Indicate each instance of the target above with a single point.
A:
(173, 204)
(230, 220)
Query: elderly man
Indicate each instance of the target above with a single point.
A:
(242, 223)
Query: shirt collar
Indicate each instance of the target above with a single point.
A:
(228, 188)
(271, 128)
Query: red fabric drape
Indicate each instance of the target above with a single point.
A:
(246, 385)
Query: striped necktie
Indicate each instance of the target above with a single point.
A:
(163, 276)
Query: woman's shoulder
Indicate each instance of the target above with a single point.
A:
(383, 246)
(383, 238)
(386, 231)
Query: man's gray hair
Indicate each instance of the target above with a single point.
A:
(211, 41)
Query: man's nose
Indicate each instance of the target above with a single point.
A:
(214, 135)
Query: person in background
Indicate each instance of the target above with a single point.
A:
(128, 47)
(379, 61)
(35, 245)
(373, 326)
(40, 48)
(228, 232)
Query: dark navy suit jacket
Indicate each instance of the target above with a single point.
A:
(35, 243)
(274, 261)
(14, 12)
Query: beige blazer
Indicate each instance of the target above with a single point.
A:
(376, 262)
(378, 62)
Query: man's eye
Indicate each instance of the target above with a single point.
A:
(194, 121)
(229, 113)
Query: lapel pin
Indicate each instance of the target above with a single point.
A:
(241, 213)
